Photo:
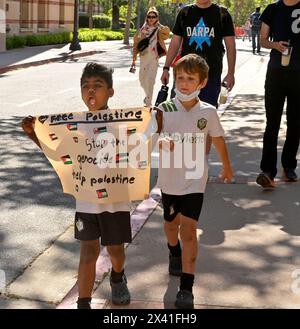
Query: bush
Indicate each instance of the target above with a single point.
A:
(16, 41)
(101, 21)
(83, 20)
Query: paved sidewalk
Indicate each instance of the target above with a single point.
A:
(39, 55)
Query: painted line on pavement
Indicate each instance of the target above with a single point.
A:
(65, 91)
(29, 102)
(103, 265)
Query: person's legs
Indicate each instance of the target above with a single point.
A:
(291, 145)
(191, 205)
(115, 231)
(274, 101)
(254, 36)
(89, 252)
(188, 236)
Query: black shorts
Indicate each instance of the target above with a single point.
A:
(113, 228)
(188, 205)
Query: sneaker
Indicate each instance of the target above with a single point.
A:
(175, 265)
(265, 180)
(184, 299)
(289, 175)
(119, 292)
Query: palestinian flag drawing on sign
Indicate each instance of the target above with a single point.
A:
(66, 159)
(102, 193)
(53, 137)
(100, 130)
(131, 131)
(72, 126)
(122, 157)
(142, 164)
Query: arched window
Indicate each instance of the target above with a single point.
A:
(25, 9)
(42, 14)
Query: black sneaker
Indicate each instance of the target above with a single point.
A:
(265, 180)
(184, 299)
(289, 175)
(175, 265)
(84, 303)
(119, 292)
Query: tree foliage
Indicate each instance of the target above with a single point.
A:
(239, 9)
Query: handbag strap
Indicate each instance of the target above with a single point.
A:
(150, 36)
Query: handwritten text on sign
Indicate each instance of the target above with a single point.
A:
(99, 156)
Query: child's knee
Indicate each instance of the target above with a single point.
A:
(116, 250)
(89, 253)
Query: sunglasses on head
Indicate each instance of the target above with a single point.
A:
(149, 17)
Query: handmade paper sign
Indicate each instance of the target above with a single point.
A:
(100, 156)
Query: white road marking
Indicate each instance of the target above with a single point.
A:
(29, 102)
(65, 90)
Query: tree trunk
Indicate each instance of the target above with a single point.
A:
(138, 14)
(115, 16)
(90, 13)
(128, 20)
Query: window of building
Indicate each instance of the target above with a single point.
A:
(42, 14)
(61, 13)
(25, 10)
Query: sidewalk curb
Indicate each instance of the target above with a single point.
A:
(49, 60)
(138, 218)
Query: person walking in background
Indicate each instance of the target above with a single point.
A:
(247, 30)
(255, 30)
(149, 57)
(281, 20)
(201, 29)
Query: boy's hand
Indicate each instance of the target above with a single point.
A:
(226, 175)
(166, 144)
(28, 125)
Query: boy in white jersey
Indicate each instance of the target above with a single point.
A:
(111, 222)
(182, 191)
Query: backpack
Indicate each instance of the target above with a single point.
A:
(255, 21)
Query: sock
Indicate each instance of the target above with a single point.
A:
(116, 277)
(175, 250)
(84, 303)
(187, 281)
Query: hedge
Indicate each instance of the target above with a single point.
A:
(99, 21)
(84, 35)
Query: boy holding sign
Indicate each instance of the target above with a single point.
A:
(111, 222)
(186, 122)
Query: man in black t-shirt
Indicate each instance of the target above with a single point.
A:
(281, 22)
(201, 28)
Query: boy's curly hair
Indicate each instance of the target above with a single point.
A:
(192, 63)
(97, 70)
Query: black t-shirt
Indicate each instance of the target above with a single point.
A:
(202, 31)
(284, 23)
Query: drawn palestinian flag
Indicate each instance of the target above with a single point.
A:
(100, 130)
(102, 193)
(53, 137)
(131, 131)
(142, 164)
(66, 159)
(72, 126)
(122, 157)
(75, 139)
